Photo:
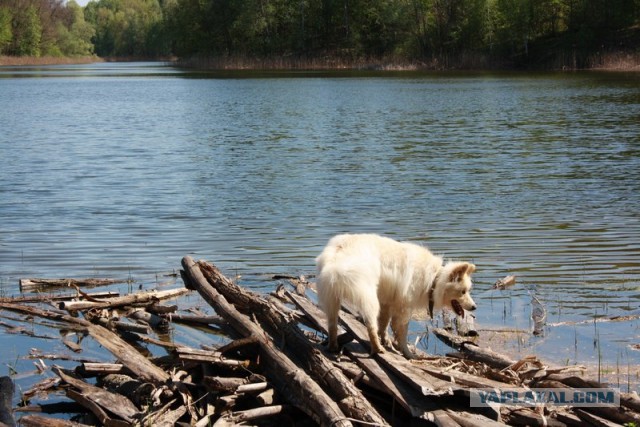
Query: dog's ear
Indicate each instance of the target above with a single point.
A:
(460, 270)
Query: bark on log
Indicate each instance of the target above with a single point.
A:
(293, 383)
(348, 396)
(139, 298)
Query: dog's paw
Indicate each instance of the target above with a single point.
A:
(376, 350)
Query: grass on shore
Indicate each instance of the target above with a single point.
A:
(46, 60)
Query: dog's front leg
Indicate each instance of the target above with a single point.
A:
(400, 326)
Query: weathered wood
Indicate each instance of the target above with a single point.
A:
(115, 403)
(190, 318)
(595, 420)
(505, 282)
(89, 369)
(193, 354)
(467, 419)
(225, 384)
(629, 400)
(31, 283)
(38, 421)
(294, 384)
(133, 299)
(131, 388)
(96, 409)
(472, 351)
(128, 355)
(151, 319)
(48, 298)
(6, 408)
(349, 398)
(235, 418)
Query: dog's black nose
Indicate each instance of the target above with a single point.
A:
(473, 307)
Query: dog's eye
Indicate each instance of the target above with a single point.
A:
(464, 292)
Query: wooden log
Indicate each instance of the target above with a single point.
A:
(467, 419)
(133, 299)
(128, 355)
(96, 409)
(89, 369)
(115, 403)
(294, 384)
(151, 319)
(595, 420)
(225, 384)
(32, 283)
(349, 397)
(629, 400)
(48, 298)
(133, 389)
(193, 319)
(236, 418)
(6, 396)
(505, 282)
(193, 354)
(472, 351)
(166, 417)
(39, 421)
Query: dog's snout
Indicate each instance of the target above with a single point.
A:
(473, 307)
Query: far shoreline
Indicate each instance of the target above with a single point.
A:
(615, 61)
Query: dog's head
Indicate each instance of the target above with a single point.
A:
(455, 285)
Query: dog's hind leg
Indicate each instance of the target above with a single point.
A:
(370, 316)
(383, 324)
(332, 326)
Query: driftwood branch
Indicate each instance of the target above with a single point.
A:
(34, 283)
(133, 299)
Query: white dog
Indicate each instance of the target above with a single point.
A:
(386, 280)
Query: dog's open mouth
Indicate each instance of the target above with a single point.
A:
(457, 308)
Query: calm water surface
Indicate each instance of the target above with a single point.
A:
(119, 170)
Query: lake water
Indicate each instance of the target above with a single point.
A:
(121, 169)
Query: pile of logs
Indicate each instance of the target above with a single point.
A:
(273, 369)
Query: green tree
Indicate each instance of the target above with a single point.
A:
(6, 35)
(27, 31)
(75, 40)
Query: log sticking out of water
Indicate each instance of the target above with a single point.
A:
(28, 285)
(505, 282)
(133, 299)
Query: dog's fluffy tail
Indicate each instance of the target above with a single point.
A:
(341, 278)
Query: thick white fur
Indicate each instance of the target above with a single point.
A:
(386, 281)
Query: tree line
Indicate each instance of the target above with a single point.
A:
(398, 30)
